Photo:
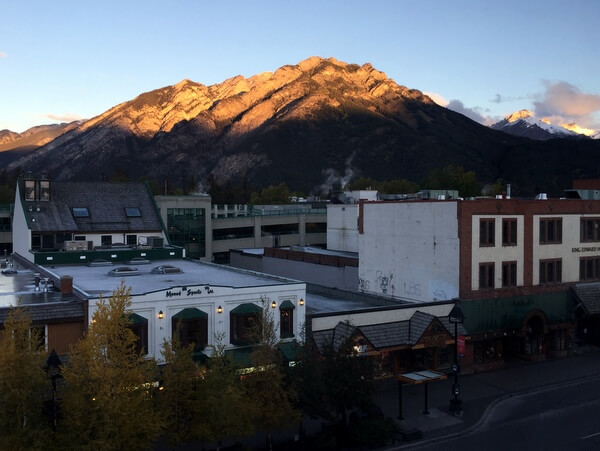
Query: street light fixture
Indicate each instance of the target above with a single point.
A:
(456, 317)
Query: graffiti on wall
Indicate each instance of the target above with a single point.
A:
(412, 288)
(384, 281)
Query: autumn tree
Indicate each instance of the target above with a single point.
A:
(108, 399)
(227, 410)
(23, 384)
(178, 398)
(266, 384)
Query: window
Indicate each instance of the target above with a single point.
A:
(509, 232)
(139, 325)
(45, 190)
(486, 232)
(131, 240)
(486, 276)
(81, 212)
(245, 323)
(29, 189)
(192, 326)
(509, 274)
(589, 268)
(550, 271)
(106, 240)
(132, 212)
(286, 319)
(551, 231)
(590, 230)
(79, 237)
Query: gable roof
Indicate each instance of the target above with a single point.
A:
(588, 294)
(386, 335)
(105, 201)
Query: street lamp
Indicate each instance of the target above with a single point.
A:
(456, 317)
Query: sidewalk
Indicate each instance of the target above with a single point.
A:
(478, 391)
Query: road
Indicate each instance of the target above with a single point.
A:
(566, 417)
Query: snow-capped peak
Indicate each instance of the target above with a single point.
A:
(522, 114)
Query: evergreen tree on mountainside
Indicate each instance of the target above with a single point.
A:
(453, 178)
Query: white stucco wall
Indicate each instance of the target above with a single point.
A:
(175, 299)
(21, 235)
(342, 227)
(410, 250)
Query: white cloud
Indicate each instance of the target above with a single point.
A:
(437, 98)
(476, 113)
(64, 117)
(565, 103)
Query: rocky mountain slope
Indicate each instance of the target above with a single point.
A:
(13, 145)
(306, 124)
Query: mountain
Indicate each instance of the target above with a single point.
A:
(308, 125)
(523, 123)
(14, 145)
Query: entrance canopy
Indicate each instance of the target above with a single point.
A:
(420, 377)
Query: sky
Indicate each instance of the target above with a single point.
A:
(68, 60)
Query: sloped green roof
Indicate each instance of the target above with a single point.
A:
(136, 319)
(190, 313)
(247, 308)
(287, 304)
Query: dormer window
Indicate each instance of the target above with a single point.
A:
(132, 212)
(30, 189)
(81, 212)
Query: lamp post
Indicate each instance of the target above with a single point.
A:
(456, 317)
(53, 364)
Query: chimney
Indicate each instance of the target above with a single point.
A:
(508, 190)
(66, 286)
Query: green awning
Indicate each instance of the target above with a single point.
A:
(190, 313)
(247, 308)
(289, 349)
(199, 356)
(287, 304)
(136, 319)
(241, 356)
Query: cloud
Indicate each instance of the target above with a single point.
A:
(563, 101)
(437, 98)
(499, 98)
(63, 118)
(477, 113)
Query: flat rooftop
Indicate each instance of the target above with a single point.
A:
(20, 289)
(318, 303)
(95, 280)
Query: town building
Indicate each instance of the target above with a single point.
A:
(76, 242)
(514, 263)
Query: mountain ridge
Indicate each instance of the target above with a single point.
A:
(300, 124)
